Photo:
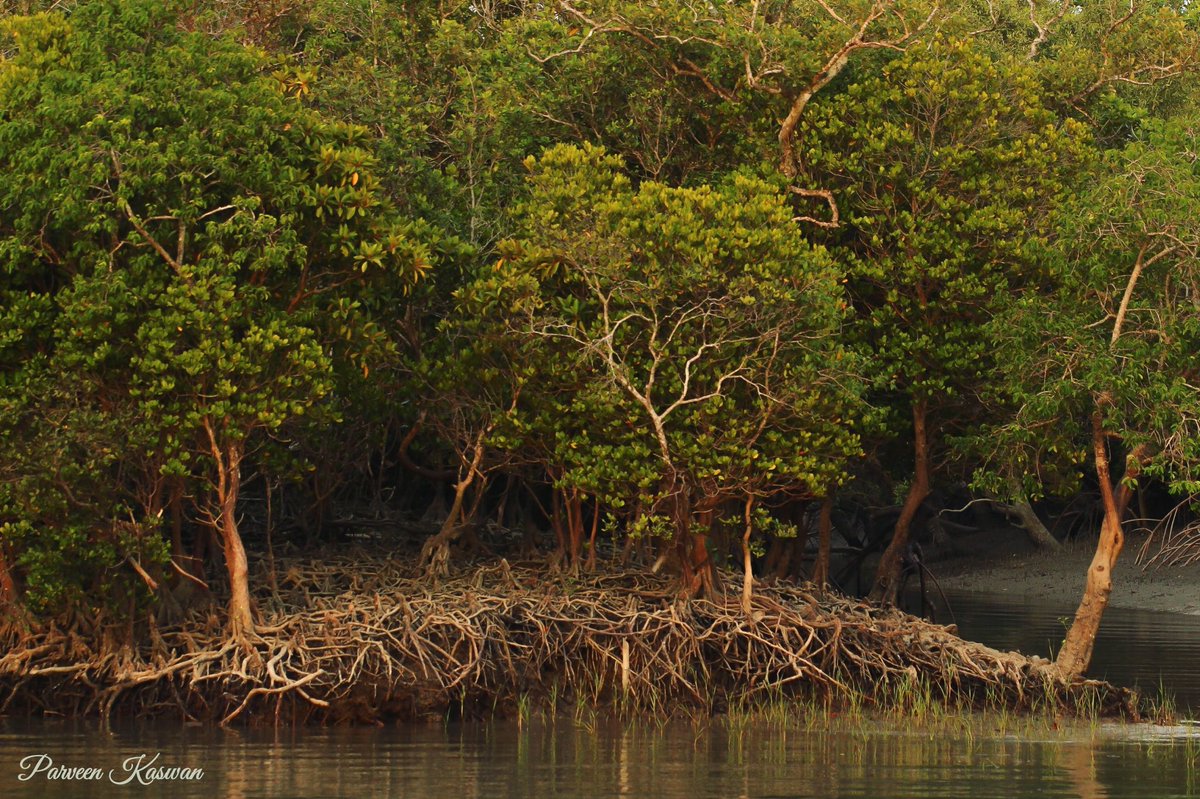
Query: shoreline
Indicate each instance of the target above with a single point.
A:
(362, 641)
(1002, 561)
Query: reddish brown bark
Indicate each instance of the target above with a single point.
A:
(697, 576)
(227, 456)
(747, 571)
(825, 542)
(703, 576)
(8, 586)
(575, 528)
(1076, 653)
(591, 558)
(887, 578)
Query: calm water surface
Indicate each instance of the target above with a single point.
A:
(567, 760)
(1154, 651)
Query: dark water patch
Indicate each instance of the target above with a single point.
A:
(1152, 650)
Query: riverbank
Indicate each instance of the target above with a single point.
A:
(357, 639)
(1002, 561)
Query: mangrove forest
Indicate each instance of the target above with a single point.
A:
(378, 359)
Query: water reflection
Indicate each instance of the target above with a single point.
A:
(566, 760)
(1154, 651)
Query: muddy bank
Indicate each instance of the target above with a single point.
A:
(359, 640)
(1002, 561)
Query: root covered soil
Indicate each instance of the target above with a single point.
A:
(361, 640)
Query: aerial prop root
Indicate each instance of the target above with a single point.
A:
(365, 641)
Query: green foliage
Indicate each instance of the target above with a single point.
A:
(1109, 64)
(944, 161)
(1116, 331)
(178, 257)
(684, 95)
(208, 247)
(684, 340)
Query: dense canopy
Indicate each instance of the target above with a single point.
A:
(663, 280)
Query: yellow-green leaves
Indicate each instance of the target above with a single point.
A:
(686, 338)
(196, 249)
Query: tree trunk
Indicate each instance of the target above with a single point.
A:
(887, 578)
(697, 577)
(781, 565)
(272, 580)
(802, 519)
(187, 562)
(228, 458)
(10, 603)
(1023, 513)
(175, 505)
(825, 542)
(634, 545)
(435, 554)
(591, 558)
(574, 506)
(704, 575)
(1076, 653)
(1033, 527)
(556, 523)
(529, 529)
(502, 507)
(241, 618)
(747, 571)
(202, 545)
(435, 513)
(8, 586)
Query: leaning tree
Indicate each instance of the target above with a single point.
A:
(1106, 352)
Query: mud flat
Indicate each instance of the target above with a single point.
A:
(1001, 561)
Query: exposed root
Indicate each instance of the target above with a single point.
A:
(359, 640)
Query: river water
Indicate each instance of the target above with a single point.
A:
(566, 759)
(1154, 651)
(585, 757)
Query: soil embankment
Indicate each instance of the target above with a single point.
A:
(358, 639)
(1002, 561)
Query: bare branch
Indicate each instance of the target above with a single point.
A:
(993, 16)
(680, 66)
(1141, 264)
(827, 196)
(1043, 30)
(572, 51)
(145, 234)
(1137, 74)
(833, 67)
